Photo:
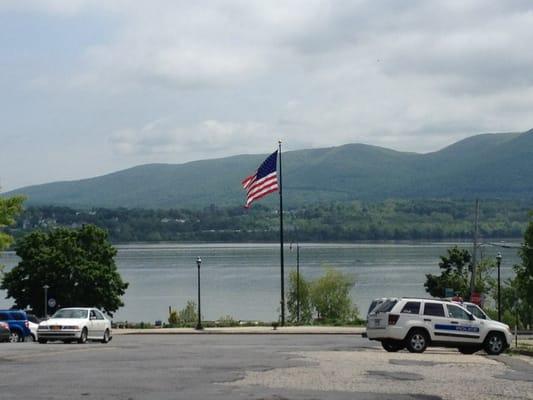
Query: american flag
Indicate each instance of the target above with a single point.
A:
(263, 182)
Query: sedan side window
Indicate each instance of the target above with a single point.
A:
(98, 314)
(457, 312)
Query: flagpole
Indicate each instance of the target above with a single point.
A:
(282, 302)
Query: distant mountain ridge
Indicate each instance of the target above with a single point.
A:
(485, 166)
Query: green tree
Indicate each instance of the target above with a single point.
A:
(299, 289)
(330, 296)
(77, 264)
(522, 284)
(9, 208)
(454, 275)
(485, 281)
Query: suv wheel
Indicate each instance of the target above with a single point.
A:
(494, 344)
(392, 346)
(417, 341)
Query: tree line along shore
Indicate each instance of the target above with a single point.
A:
(356, 220)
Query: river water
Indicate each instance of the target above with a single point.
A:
(243, 280)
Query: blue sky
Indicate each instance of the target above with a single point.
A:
(90, 87)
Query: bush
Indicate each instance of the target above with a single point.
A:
(227, 321)
(185, 317)
(189, 314)
(173, 318)
(330, 296)
(299, 289)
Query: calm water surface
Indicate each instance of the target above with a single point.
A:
(243, 280)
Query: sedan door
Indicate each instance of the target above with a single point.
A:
(92, 325)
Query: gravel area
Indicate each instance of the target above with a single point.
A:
(442, 373)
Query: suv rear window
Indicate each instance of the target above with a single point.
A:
(411, 307)
(386, 306)
(434, 309)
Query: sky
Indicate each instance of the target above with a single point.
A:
(92, 87)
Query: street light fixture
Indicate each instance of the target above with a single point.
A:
(499, 262)
(199, 324)
(46, 287)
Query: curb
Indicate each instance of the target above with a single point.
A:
(236, 332)
(528, 353)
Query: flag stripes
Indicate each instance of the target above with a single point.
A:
(263, 182)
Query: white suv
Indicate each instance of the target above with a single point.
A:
(416, 323)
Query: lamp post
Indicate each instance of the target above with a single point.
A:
(199, 324)
(499, 262)
(298, 283)
(46, 287)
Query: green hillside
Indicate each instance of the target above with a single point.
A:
(485, 166)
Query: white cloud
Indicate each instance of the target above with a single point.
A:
(209, 138)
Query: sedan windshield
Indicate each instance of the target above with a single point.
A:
(71, 313)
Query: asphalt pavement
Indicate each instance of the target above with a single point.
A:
(252, 366)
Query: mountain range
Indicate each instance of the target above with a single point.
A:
(482, 166)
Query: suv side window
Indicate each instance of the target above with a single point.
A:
(4, 317)
(457, 312)
(411, 307)
(434, 309)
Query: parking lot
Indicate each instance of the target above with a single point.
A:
(135, 367)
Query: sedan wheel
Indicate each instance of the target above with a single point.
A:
(83, 336)
(106, 336)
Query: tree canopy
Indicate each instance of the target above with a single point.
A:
(523, 282)
(77, 264)
(9, 208)
(454, 274)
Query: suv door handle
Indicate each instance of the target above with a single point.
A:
(455, 322)
(427, 320)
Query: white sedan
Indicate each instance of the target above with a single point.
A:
(75, 324)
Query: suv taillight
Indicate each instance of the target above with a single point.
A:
(393, 318)
(26, 324)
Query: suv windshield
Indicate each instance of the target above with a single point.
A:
(70, 314)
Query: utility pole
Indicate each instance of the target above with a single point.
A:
(474, 255)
